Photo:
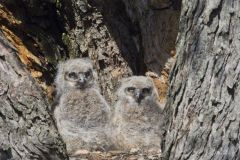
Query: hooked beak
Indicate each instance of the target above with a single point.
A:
(138, 97)
(81, 81)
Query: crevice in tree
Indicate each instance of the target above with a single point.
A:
(3, 116)
(40, 30)
(215, 12)
(140, 64)
(2, 58)
(231, 91)
(6, 154)
(13, 147)
(18, 112)
(177, 4)
(123, 31)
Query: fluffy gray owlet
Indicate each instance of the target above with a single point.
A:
(82, 113)
(136, 121)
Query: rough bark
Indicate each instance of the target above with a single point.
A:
(26, 128)
(203, 103)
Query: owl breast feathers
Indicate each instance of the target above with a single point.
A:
(82, 114)
(85, 121)
(137, 116)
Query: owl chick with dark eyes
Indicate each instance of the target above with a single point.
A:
(82, 113)
(136, 121)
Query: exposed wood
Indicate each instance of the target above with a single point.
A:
(26, 127)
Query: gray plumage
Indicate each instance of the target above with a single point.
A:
(65, 80)
(136, 121)
(82, 113)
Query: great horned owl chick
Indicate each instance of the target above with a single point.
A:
(136, 120)
(82, 113)
(75, 74)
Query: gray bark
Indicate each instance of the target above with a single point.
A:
(26, 127)
(203, 102)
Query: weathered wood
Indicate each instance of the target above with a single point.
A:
(203, 102)
(26, 127)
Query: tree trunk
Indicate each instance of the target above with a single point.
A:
(203, 102)
(26, 128)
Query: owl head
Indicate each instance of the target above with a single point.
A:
(137, 89)
(76, 74)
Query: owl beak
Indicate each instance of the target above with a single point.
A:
(138, 97)
(81, 80)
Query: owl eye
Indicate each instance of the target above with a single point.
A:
(88, 73)
(130, 89)
(72, 75)
(146, 90)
